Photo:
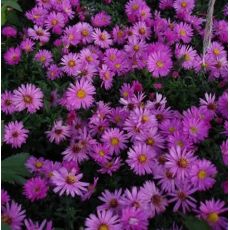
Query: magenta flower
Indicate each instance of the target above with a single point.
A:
(159, 64)
(68, 182)
(44, 225)
(211, 210)
(45, 57)
(35, 189)
(104, 220)
(90, 190)
(134, 219)
(112, 201)
(13, 215)
(102, 38)
(115, 139)
(153, 200)
(101, 19)
(224, 151)
(202, 174)
(179, 162)
(5, 198)
(59, 132)
(15, 134)
(27, 45)
(70, 64)
(7, 102)
(28, 97)
(80, 94)
(184, 32)
(141, 158)
(182, 196)
(12, 56)
(9, 32)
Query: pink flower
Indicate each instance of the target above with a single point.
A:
(12, 56)
(28, 97)
(59, 132)
(211, 210)
(179, 162)
(45, 57)
(102, 38)
(184, 32)
(80, 95)
(9, 32)
(68, 182)
(13, 215)
(182, 196)
(159, 64)
(90, 190)
(153, 201)
(184, 6)
(35, 189)
(15, 134)
(134, 219)
(141, 159)
(104, 220)
(38, 33)
(115, 139)
(70, 64)
(46, 225)
(27, 45)
(4, 197)
(224, 151)
(101, 19)
(55, 21)
(111, 201)
(202, 174)
(7, 102)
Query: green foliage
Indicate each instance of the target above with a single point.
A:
(5, 226)
(193, 223)
(13, 168)
(8, 12)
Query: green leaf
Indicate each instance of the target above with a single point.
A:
(193, 223)
(13, 168)
(5, 226)
(3, 15)
(13, 4)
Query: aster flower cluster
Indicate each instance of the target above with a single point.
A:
(141, 134)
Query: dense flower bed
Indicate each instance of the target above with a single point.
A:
(123, 114)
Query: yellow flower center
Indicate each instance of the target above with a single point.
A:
(103, 227)
(101, 153)
(172, 129)
(142, 31)
(193, 130)
(202, 174)
(125, 94)
(160, 64)
(183, 4)
(38, 164)
(216, 51)
(70, 179)
(102, 37)
(182, 163)
(120, 34)
(112, 57)
(135, 7)
(182, 32)
(89, 59)
(142, 158)
(150, 141)
(107, 75)
(114, 141)
(118, 66)
(85, 33)
(180, 143)
(54, 22)
(81, 93)
(71, 63)
(42, 59)
(187, 57)
(144, 118)
(136, 48)
(27, 99)
(113, 203)
(213, 217)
